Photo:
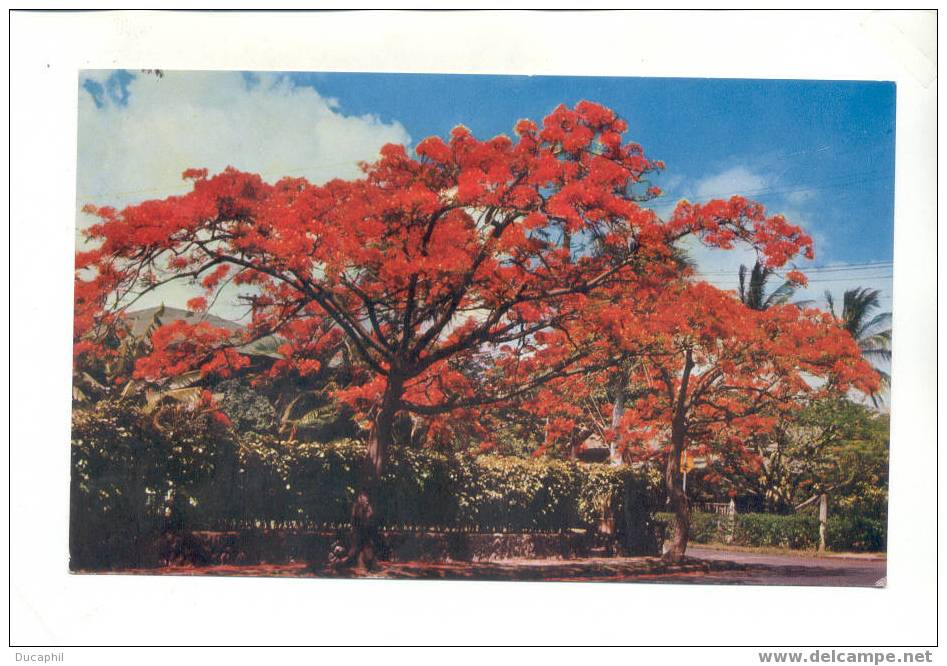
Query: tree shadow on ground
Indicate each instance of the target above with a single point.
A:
(601, 569)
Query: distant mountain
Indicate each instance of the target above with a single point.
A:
(141, 319)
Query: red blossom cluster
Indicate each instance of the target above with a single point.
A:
(180, 347)
(695, 353)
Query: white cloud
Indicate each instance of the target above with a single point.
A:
(214, 120)
(736, 180)
(128, 153)
(719, 267)
(799, 197)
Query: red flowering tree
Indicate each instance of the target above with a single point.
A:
(446, 271)
(613, 324)
(711, 373)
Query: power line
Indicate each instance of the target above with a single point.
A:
(847, 181)
(848, 267)
(817, 278)
(826, 268)
(810, 278)
(834, 153)
(824, 280)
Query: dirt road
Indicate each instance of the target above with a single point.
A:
(761, 569)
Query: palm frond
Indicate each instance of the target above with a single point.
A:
(871, 327)
(183, 381)
(830, 301)
(781, 295)
(885, 378)
(857, 305)
(875, 354)
(879, 339)
(877, 398)
(758, 277)
(752, 291)
(682, 258)
(316, 417)
(188, 396)
(86, 377)
(155, 323)
(131, 386)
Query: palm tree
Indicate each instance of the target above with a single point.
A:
(753, 293)
(871, 331)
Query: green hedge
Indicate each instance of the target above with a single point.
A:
(799, 531)
(703, 527)
(195, 476)
(132, 478)
(786, 531)
(316, 483)
(855, 533)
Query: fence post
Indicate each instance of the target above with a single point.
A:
(823, 520)
(732, 516)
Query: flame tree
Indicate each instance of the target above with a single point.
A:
(710, 374)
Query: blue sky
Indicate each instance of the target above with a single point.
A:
(831, 143)
(820, 152)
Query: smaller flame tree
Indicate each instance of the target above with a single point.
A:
(709, 374)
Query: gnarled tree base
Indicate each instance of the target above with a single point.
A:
(364, 538)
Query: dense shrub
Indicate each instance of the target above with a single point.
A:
(867, 500)
(790, 531)
(133, 478)
(705, 527)
(247, 409)
(856, 533)
(799, 531)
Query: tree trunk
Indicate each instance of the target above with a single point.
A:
(674, 484)
(618, 411)
(673, 478)
(364, 536)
